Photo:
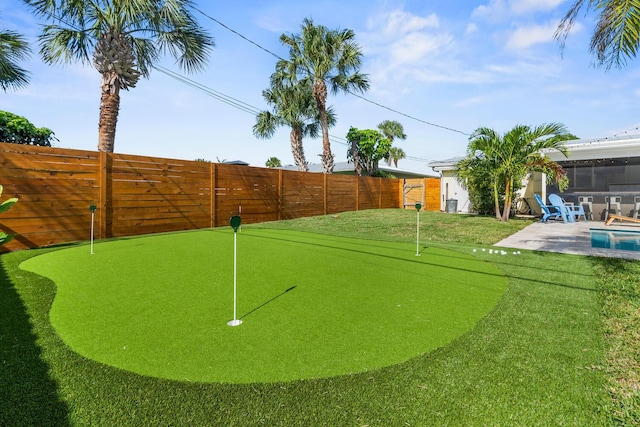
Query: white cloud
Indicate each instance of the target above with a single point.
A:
(528, 36)
(498, 10)
(417, 46)
(520, 7)
(401, 22)
(471, 28)
(494, 10)
(397, 43)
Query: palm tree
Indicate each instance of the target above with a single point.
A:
(273, 162)
(392, 129)
(324, 58)
(616, 36)
(122, 40)
(506, 159)
(13, 48)
(395, 154)
(293, 106)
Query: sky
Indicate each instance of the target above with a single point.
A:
(440, 68)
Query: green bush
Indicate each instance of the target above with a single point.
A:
(5, 206)
(18, 130)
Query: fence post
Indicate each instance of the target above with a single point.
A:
(105, 196)
(324, 190)
(280, 183)
(213, 186)
(357, 193)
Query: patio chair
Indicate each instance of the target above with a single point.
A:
(613, 206)
(587, 204)
(570, 213)
(548, 211)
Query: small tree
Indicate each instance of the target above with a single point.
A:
(273, 162)
(395, 154)
(18, 130)
(5, 206)
(366, 148)
(504, 160)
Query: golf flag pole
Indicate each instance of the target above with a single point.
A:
(235, 224)
(92, 208)
(418, 206)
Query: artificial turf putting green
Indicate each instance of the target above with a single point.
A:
(312, 306)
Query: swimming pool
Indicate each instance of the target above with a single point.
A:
(628, 240)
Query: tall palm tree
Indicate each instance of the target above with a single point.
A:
(616, 36)
(395, 154)
(122, 39)
(294, 106)
(509, 157)
(13, 48)
(325, 58)
(392, 130)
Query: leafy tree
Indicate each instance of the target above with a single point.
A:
(293, 105)
(366, 148)
(395, 154)
(504, 160)
(273, 162)
(18, 130)
(122, 40)
(5, 206)
(13, 48)
(616, 36)
(324, 58)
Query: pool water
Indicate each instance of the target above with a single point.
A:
(627, 240)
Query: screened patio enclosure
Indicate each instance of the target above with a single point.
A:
(604, 176)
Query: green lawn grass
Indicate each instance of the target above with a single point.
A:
(541, 357)
(313, 306)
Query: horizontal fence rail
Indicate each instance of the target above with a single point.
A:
(141, 195)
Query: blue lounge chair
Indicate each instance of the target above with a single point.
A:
(570, 213)
(548, 211)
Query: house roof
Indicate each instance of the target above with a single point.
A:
(346, 167)
(599, 148)
(445, 165)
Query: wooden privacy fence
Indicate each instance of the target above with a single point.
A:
(140, 195)
(425, 191)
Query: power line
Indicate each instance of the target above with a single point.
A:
(229, 100)
(351, 93)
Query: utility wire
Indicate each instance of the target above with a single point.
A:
(351, 93)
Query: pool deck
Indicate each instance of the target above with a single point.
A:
(567, 238)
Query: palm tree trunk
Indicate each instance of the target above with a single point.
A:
(506, 211)
(320, 95)
(357, 165)
(298, 150)
(109, 108)
(496, 200)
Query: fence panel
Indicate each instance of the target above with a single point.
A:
(252, 192)
(302, 194)
(151, 195)
(55, 189)
(341, 194)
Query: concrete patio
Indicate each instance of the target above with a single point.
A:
(567, 238)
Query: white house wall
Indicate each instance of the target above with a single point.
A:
(450, 188)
